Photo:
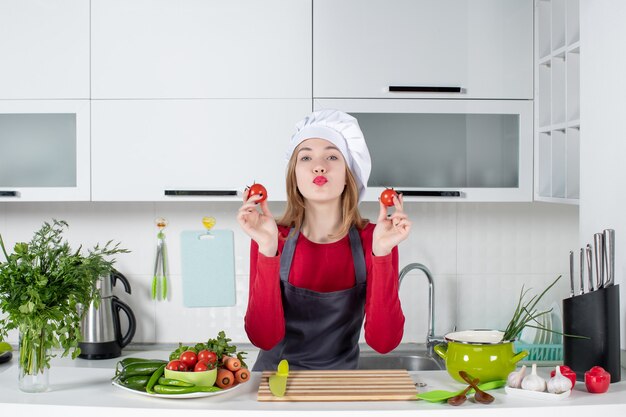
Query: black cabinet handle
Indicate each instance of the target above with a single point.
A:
(423, 89)
(411, 193)
(199, 193)
(8, 194)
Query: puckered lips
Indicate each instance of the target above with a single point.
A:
(320, 180)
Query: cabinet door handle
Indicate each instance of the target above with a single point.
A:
(199, 193)
(423, 89)
(412, 193)
(9, 194)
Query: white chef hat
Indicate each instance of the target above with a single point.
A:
(343, 131)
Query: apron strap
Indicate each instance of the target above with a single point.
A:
(357, 256)
(287, 256)
(355, 245)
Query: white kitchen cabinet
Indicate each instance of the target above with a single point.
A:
(446, 150)
(483, 47)
(44, 49)
(45, 150)
(196, 149)
(201, 49)
(557, 101)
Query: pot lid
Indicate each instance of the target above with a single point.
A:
(483, 337)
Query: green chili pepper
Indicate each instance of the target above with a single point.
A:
(174, 382)
(168, 389)
(154, 378)
(140, 368)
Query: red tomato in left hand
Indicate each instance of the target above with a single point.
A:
(258, 189)
(386, 197)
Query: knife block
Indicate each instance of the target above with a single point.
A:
(595, 315)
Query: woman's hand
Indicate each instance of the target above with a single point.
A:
(260, 226)
(390, 231)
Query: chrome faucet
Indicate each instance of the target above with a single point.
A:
(431, 340)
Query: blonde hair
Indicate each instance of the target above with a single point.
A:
(294, 213)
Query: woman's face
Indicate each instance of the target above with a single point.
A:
(320, 170)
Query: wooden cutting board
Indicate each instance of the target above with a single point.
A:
(350, 385)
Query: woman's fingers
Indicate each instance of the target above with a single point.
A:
(265, 209)
(398, 202)
(382, 212)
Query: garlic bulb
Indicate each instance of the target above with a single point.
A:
(514, 380)
(534, 382)
(559, 383)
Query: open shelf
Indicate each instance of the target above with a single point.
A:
(557, 101)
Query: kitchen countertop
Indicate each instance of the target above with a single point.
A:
(83, 387)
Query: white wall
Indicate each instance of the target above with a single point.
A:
(480, 255)
(603, 143)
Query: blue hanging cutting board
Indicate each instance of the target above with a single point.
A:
(208, 268)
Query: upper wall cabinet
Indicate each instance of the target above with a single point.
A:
(44, 146)
(44, 49)
(187, 150)
(201, 49)
(423, 49)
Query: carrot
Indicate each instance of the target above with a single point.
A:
(242, 375)
(230, 363)
(225, 378)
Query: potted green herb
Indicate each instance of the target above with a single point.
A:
(42, 284)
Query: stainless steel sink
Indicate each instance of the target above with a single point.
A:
(391, 361)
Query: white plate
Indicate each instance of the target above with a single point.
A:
(546, 336)
(539, 335)
(178, 396)
(557, 323)
(528, 335)
(524, 393)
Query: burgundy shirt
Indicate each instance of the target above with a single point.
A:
(325, 267)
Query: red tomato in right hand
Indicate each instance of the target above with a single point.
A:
(207, 356)
(386, 197)
(189, 358)
(176, 365)
(258, 189)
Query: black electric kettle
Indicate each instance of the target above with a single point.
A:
(100, 327)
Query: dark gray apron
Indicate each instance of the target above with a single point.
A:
(321, 328)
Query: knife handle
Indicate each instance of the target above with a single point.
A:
(589, 267)
(582, 271)
(571, 272)
(609, 255)
(598, 242)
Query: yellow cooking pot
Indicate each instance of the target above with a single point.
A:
(481, 353)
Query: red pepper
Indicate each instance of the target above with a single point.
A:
(566, 372)
(597, 380)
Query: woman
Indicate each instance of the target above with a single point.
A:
(322, 269)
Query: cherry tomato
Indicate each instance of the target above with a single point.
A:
(597, 380)
(258, 189)
(207, 356)
(201, 366)
(176, 365)
(386, 197)
(566, 372)
(189, 358)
